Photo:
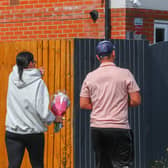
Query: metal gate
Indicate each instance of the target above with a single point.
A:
(159, 102)
(129, 54)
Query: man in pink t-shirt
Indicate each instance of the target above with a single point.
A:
(108, 91)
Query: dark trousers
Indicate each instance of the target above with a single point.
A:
(113, 147)
(16, 145)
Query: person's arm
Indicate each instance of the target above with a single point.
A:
(42, 104)
(134, 99)
(85, 100)
(85, 103)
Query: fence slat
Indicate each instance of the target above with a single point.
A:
(45, 65)
(51, 80)
(57, 139)
(63, 71)
(68, 114)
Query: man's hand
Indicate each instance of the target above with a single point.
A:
(85, 103)
(41, 69)
(134, 99)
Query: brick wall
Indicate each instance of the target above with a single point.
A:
(118, 23)
(47, 19)
(123, 21)
(148, 21)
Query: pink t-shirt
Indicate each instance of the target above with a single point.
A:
(108, 87)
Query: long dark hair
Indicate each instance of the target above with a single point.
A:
(23, 59)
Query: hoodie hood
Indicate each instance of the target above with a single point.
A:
(29, 76)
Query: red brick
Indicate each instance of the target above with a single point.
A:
(52, 27)
(32, 28)
(2, 33)
(5, 3)
(67, 22)
(22, 28)
(62, 26)
(33, 36)
(47, 31)
(52, 35)
(4, 38)
(13, 29)
(37, 32)
(18, 15)
(37, 23)
(18, 33)
(18, 24)
(19, 7)
(48, 23)
(27, 14)
(27, 24)
(24, 2)
(42, 27)
(57, 31)
(78, 30)
(23, 37)
(29, 6)
(28, 32)
(72, 35)
(62, 35)
(67, 31)
(2, 7)
(83, 34)
(9, 33)
(39, 6)
(14, 37)
(4, 29)
(38, 14)
(56, 20)
(42, 36)
(9, 25)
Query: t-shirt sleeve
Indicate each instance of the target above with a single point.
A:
(132, 85)
(85, 89)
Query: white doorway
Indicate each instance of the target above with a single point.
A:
(160, 31)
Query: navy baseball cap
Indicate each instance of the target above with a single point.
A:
(104, 48)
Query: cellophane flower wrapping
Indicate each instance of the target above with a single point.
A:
(59, 104)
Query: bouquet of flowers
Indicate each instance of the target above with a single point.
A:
(59, 103)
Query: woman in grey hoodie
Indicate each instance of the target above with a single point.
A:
(27, 112)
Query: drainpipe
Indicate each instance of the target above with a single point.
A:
(107, 20)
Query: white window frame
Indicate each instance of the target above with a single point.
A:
(163, 24)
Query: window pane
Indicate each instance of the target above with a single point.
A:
(160, 33)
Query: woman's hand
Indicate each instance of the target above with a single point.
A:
(59, 119)
(41, 69)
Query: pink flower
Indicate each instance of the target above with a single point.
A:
(59, 104)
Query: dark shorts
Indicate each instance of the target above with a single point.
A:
(113, 147)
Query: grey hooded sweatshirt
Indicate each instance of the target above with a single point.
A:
(27, 103)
